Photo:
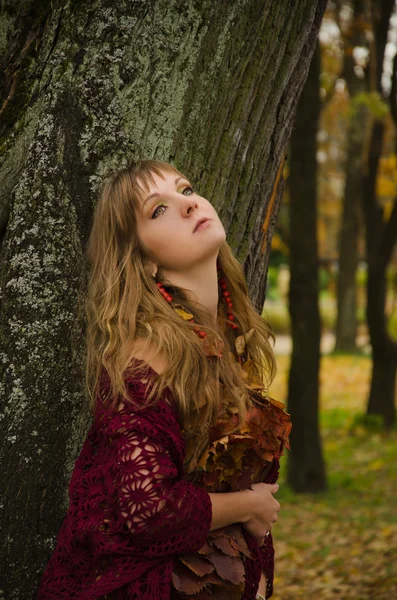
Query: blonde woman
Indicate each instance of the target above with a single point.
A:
(166, 301)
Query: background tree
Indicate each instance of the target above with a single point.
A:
(381, 237)
(211, 86)
(306, 469)
(357, 135)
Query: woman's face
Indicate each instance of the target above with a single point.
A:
(166, 224)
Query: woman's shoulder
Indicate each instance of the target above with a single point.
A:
(145, 352)
(147, 364)
(157, 418)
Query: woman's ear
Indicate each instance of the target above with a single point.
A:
(153, 268)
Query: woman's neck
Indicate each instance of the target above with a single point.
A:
(200, 283)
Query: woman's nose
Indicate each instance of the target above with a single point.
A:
(188, 206)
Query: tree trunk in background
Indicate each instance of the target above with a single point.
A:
(380, 241)
(346, 325)
(381, 237)
(210, 86)
(306, 469)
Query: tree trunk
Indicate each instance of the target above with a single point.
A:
(210, 86)
(381, 238)
(383, 384)
(382, 394)
(346, 325)
(306, 469)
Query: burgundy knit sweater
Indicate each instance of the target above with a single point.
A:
(131, 512)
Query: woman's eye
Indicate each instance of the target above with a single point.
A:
(156, 209)
(155, 213)
(190, 189)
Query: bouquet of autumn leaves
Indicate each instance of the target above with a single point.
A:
(231, 462)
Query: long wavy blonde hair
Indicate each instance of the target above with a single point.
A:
(123, 304)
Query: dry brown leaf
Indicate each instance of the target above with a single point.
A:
(237, 540)
(242, 340)
(206, 549)
(229, 568)
(185, 581)
(199, 566)
(223, 543)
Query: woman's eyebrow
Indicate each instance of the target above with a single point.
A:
(158, 193)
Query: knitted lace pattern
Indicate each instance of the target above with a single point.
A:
(130, 510)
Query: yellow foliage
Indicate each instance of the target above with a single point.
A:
(387, 208)
(278, 244)
(376, 465)
(389, 164)
(386, 184)
(385, 187)
(182, 313)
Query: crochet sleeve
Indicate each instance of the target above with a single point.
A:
(266, 558)
(164, 514)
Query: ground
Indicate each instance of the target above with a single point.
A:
(341, 543)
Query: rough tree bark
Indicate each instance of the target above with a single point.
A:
(381, 237)
(346, 325)
(306, 469)
(211, 86)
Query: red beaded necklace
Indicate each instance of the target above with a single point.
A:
(225, 294)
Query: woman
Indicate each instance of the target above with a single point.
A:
(166, 300)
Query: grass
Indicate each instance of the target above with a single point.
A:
(341, 543)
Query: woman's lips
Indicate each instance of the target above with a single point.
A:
(203, 225)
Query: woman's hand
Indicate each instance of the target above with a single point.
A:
(263, 509)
